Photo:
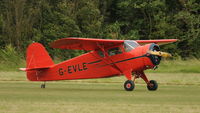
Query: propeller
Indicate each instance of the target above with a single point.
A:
(159, 53)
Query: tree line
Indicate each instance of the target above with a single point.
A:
(25, 21)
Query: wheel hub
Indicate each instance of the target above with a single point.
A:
(128, 85)
(151, 85)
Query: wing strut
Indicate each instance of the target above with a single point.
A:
(101, 47)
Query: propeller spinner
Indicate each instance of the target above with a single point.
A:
(155, 54)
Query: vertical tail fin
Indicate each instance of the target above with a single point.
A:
(37, 58)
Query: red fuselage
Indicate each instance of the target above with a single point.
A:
(94, 65)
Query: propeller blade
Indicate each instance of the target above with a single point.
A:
(159, 53)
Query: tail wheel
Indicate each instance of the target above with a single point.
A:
(43, 85)
(152, 86)
(129, 85)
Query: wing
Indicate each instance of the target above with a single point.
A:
(84, 43)
(94, 44)
(159, 42)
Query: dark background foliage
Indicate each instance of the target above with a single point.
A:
(25, 21)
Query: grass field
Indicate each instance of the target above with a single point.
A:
(177, 93)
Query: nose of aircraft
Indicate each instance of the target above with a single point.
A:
(155, 54)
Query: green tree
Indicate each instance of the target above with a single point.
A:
(25, 21)
(18, 20)
(89, 18)
(187, 21)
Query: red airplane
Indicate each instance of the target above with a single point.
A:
(106, 58)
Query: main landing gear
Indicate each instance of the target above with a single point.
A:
(129, 84)
(152, 86)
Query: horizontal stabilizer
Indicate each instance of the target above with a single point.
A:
(31, 69)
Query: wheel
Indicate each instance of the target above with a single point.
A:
(152, 86)
(129, 85)
(42, 85)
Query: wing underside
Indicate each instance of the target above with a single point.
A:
(94, 44)
(159, 41)
(84, 43)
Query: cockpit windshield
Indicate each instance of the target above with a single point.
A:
(130, 44)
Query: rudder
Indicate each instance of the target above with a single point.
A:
(37, 58)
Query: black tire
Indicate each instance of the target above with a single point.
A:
(154, 86)
(43, 86)
(129, 85)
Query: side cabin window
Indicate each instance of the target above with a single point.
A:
(114, 51)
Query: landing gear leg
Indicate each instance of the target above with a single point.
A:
(43, 85)
(151, 85)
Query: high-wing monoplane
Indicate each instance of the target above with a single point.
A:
(105, 58)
